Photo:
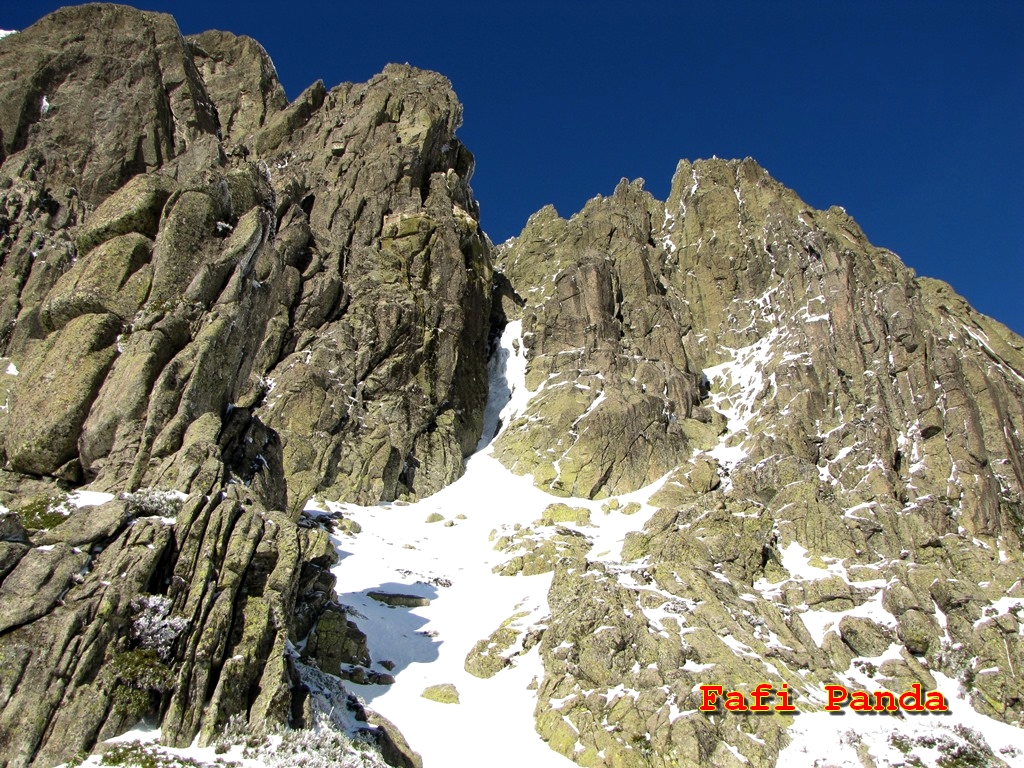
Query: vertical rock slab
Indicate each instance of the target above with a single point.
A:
(617, 399)
(380, 384)
(51, 399)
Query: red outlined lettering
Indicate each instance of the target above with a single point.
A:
(837, 694)
(710, 692)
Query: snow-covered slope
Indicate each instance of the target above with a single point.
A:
(450, 562)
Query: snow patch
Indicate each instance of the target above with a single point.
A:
(89, 498)
(820, 622)
(893, 741)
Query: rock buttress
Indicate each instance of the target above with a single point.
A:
(211, 291)
(856, 451)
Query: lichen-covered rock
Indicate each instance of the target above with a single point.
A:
(122, 96)
(336, 641)
(114, 279)
(240, 79)
(199, 244)
(486, 658)
(443, 693)
(501, 648)
(208, 290)
(534, 553)
(380, 378)
(615, 388)
(92, 525)
(864, 636)
(51, 400)
(845, 503)
(134, 208)
(179, 311)
(563, 513)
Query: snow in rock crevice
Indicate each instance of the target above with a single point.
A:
(450, 563)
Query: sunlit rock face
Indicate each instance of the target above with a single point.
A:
(761, 449)
(841, 442)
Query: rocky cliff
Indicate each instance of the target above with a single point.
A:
(210, 291)
(217, 304)
(842, 449)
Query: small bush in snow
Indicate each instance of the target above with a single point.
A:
(957, 659)
(236, 732)
(134, 754)
(321, 747)
(154, 628)
(149, 502)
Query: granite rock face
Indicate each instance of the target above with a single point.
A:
(211, 291)
(620, 399)
(839, 437)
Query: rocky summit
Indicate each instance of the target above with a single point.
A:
(270, 396)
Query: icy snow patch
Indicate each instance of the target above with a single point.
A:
(736, 384)
(820, 622)
(89, 498)
(507, 395)
(1004, 605)
(398, 551)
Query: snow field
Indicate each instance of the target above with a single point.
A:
(450, 563)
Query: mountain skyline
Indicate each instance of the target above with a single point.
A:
(906, 115)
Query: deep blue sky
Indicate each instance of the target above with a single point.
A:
(908, 114)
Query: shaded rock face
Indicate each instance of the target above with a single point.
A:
(333, 312)
(857, 444)
(206, 289)
(377, 363)
(58, 120)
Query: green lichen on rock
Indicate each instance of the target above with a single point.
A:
(486, 658)
(185, 312)
(500, 649)
(337, 640)
(139, 678)
(563, 513)
(443, 693)
(44, 512)
(52, 397)
(687, 482)
(115, 277)
(535, 553)
(789, 506)
(615, 388)
(135, 208)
